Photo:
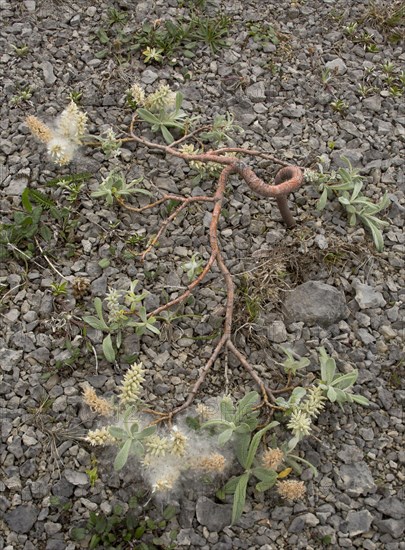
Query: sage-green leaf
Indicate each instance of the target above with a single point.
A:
(265, 485)
(227, 409)
(264, 474)
(166, 135)
(147, 432)
(118, 433)
(217, 423)
(331, 394)
(239, 498)
(230, 486)
(94, 322)
(147, 116)
(320, 205)
(256, 441)
(225, 436)
(25, 199)
(241, 447)
(245, 405)
(122, 455)
(108, 349)
(360, 400)
(346, 380)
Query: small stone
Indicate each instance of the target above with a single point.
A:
(394, 527)
(356, 479)
(149, 76)
(358, 522)
(21, 519)
(315, 303)
(391, 507)
(9, 358)
(47, 69)
(367, 297)
(256, 92)
(277, 332)
(214, 516)
(372, 103)
(76, 478)
(336, 66)
(297, 525)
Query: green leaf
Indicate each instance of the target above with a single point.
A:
(264, 474)
(225, 436)
(179, 100)
(94, 542)
(239, 497)
(108, 349)
(102, 36)
(25, 199)
(98, 306)
(217, 423)
(376, 234)
(265, 485)
(227, 409)
(256, 441)
(45, 233)
(166, 135)
(245, 405)
(146, 432)
(346, 380)
(243, 428)
(94, 322)
(122, 455)
(104, 263)
(328, 366)
(230, 486)
(291, 461)
(331, 394)
(118, 433)
(169, 512)
(78, 533)
(360, 400)
(241, 447)
(147, 116)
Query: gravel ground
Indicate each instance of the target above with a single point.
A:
(277, 95)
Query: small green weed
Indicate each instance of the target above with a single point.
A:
(348, 190)
(121, 530)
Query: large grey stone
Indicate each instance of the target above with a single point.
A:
(214, 516)
(357, 522)
(391, 507)
(337, 66)
(76, 478)
(21, 519)
(256, 92)
(315, 303)
(394, 527)
(367, 297)
(356, 479)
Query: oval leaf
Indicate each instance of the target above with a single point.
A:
(122, 456)
(108, 349)
(239, 497)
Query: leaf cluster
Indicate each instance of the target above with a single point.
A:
(166, 118)
(114, 186)
(239, 424)
(129, 438)
(338, 386)
(357, 205)
(119, 530)
(168, 37)
(142, 323)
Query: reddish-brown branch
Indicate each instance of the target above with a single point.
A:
(288, 179)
